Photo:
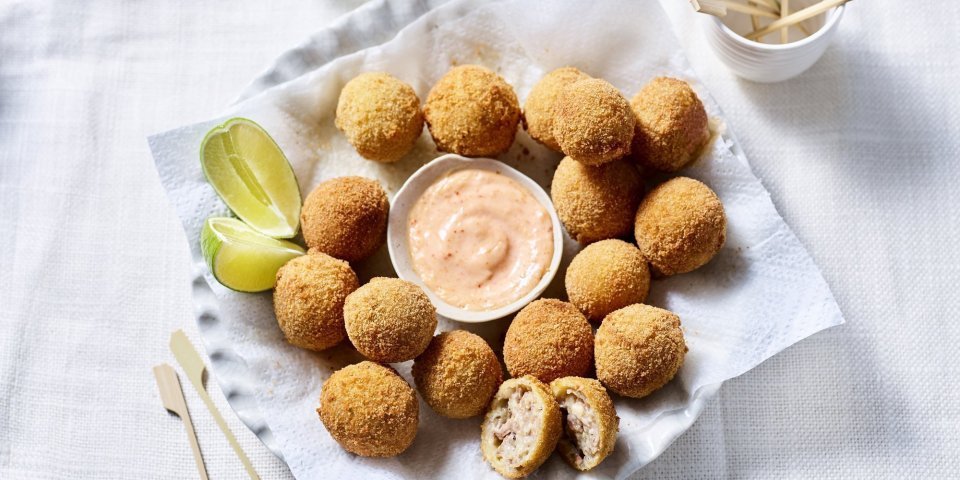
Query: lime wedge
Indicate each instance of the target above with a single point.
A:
(252, 176)
(240, 257)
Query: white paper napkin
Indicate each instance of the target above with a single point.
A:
(761, 294)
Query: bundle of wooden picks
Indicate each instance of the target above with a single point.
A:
(776, 10)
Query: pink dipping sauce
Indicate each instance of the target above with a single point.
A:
(479, 240)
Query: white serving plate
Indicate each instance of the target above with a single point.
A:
(761, 293)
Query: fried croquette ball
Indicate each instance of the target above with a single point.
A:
(346, 218)
(596, 203)
(639, 349)
(548, 339)
(607, 276)
(457, 374)
(593, 122)
(538, 110)
(380, 116)
(590, 422)
(369, 410)
(472, 111)
(521, 427)
(680, 226)
(308, 299)
(389, 320)
(671, 125)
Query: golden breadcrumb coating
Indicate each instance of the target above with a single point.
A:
(639, 349)
(389, 320)
(680, 226)
(346, 218)
(457, 374)
(593, 123)
(542, 422)
(369, 410)
(380, 116)
(308, 299)
(538, 109)
(472, 111)
(671, 125)
(548, 339)
(591, 394)
(607, 276)
(596, 203)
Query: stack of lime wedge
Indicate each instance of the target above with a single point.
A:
(253, 177)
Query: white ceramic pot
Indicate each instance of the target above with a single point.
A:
(765, 62)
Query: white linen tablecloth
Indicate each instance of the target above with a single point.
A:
(861, 155)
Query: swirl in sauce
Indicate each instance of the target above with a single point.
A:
(479, 240)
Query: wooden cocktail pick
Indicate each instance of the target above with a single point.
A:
(193, 366)
(172, 396)
(784, 11)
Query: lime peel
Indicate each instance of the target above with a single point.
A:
(241, 258)
(251, 174)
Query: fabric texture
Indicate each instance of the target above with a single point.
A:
(859, 154)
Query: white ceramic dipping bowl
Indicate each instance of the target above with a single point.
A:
(764, 62)
(410, 192)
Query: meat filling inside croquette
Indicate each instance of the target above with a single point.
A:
(516, 426)
(581, 429)
(521, 428)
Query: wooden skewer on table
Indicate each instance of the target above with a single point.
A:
(172, 396)
(193, 367)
